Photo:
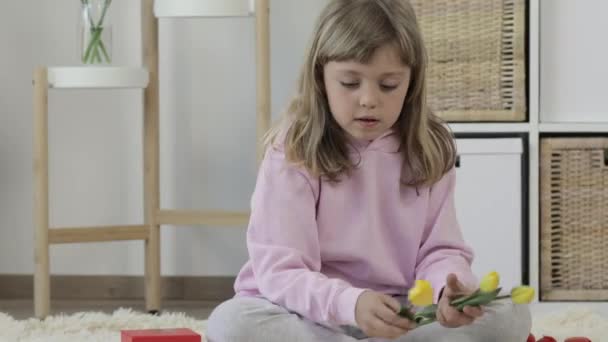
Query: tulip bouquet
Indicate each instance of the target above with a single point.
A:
(421, 295)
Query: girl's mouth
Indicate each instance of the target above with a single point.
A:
(367, 122)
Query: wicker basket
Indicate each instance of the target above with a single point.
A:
(476, 58)
(574, 219)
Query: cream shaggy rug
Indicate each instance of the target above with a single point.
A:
(90, 326)
(572, 322)
(100, 327)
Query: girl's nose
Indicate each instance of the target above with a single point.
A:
(369, 98)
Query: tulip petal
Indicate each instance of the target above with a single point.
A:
(421, 294)
(522, 294)
(490, 282)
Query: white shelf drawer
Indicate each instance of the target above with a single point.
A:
(489, 205)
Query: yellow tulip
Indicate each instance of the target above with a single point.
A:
(522, 295)
(421, 294)
(490, 282)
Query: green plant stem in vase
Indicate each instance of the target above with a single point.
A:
(95, 51)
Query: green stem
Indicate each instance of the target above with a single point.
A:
(94, 46)
(405, 312)
(96, 56)
(87, 54)
(105, 53)
(103, 12)
(88, 9)
(91, 45)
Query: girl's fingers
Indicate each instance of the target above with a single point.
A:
(391, 302)
(454, 284)
(454, 318)
(390, 317)
(473, 311)
(382, 329)
(441, 318)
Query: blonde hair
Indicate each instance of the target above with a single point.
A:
(354, 30)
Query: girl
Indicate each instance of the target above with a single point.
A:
(354, 200)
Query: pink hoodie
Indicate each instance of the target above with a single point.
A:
(314, 246)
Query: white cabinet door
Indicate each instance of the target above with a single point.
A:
(488, 204)
(573, 55)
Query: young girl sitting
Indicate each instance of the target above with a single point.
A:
(354, 200)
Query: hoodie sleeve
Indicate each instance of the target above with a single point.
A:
(283, 244)
(443, 250)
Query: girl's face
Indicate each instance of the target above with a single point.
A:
(366, 99)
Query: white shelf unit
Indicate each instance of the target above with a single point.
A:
(570, 73)
(534, 129)
(531, 129)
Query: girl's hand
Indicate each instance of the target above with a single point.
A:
(376, 316)
(449, 316)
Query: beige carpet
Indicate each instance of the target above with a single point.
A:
(90, 326)
(572, 322)
(95, 327)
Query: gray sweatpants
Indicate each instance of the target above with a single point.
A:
(247, 319)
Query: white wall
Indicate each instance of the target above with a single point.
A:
(207, 133)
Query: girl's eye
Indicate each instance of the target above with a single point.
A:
(350, 85)
(387, 87)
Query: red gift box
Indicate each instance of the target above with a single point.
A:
(159, 335)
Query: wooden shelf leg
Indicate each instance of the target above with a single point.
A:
(42, 295)
(262, 29)
(151, 157)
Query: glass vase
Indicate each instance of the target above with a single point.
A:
(96, 32)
